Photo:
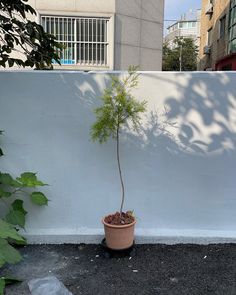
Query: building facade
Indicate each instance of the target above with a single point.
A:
(218, 35)
(105, 34)
(186, 28)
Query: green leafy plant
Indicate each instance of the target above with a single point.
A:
(119, 109)
(19, 34)
(181, 56)
(15, 217)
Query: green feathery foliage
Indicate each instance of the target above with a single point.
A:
(118, 108)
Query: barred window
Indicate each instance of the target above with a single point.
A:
(84, 40)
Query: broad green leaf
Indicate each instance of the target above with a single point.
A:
(39, 198)
(2, 286)
(10, 280)
(6, 179)
(4, 194)
(18, 205)
(23, 242)
(30, 179)
(16, 217)
(8, 231)
(8, 254)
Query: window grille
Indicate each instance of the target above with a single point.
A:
(84, 40)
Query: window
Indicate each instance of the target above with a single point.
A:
(232, 27)
(209, 37)
(222, 27)
(84, 40)
(183, 25)
(232, 46)
(232, 3)
(187, 24)
(232, 16)
(194, 24)
(233, 32)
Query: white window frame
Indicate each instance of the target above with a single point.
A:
(110, 37)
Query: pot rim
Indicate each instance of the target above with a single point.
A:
(118, 226)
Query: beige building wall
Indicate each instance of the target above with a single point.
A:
(218, 46)
(135, 29)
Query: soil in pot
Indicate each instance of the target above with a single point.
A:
(116, 219)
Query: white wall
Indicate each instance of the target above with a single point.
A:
(179, 180)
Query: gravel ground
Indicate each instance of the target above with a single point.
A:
(149, 269)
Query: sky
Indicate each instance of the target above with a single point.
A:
(175, 8)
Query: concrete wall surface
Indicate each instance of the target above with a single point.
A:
(139, 34)
(179, 170)
(135, 36)
(75, 5)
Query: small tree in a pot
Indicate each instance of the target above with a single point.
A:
(119, 109)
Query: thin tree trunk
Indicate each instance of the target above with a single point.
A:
(120, 173)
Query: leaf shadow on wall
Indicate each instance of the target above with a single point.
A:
(186, 159)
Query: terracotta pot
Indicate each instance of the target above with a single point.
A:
(119, 237)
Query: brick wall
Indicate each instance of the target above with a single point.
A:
(219, 46)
